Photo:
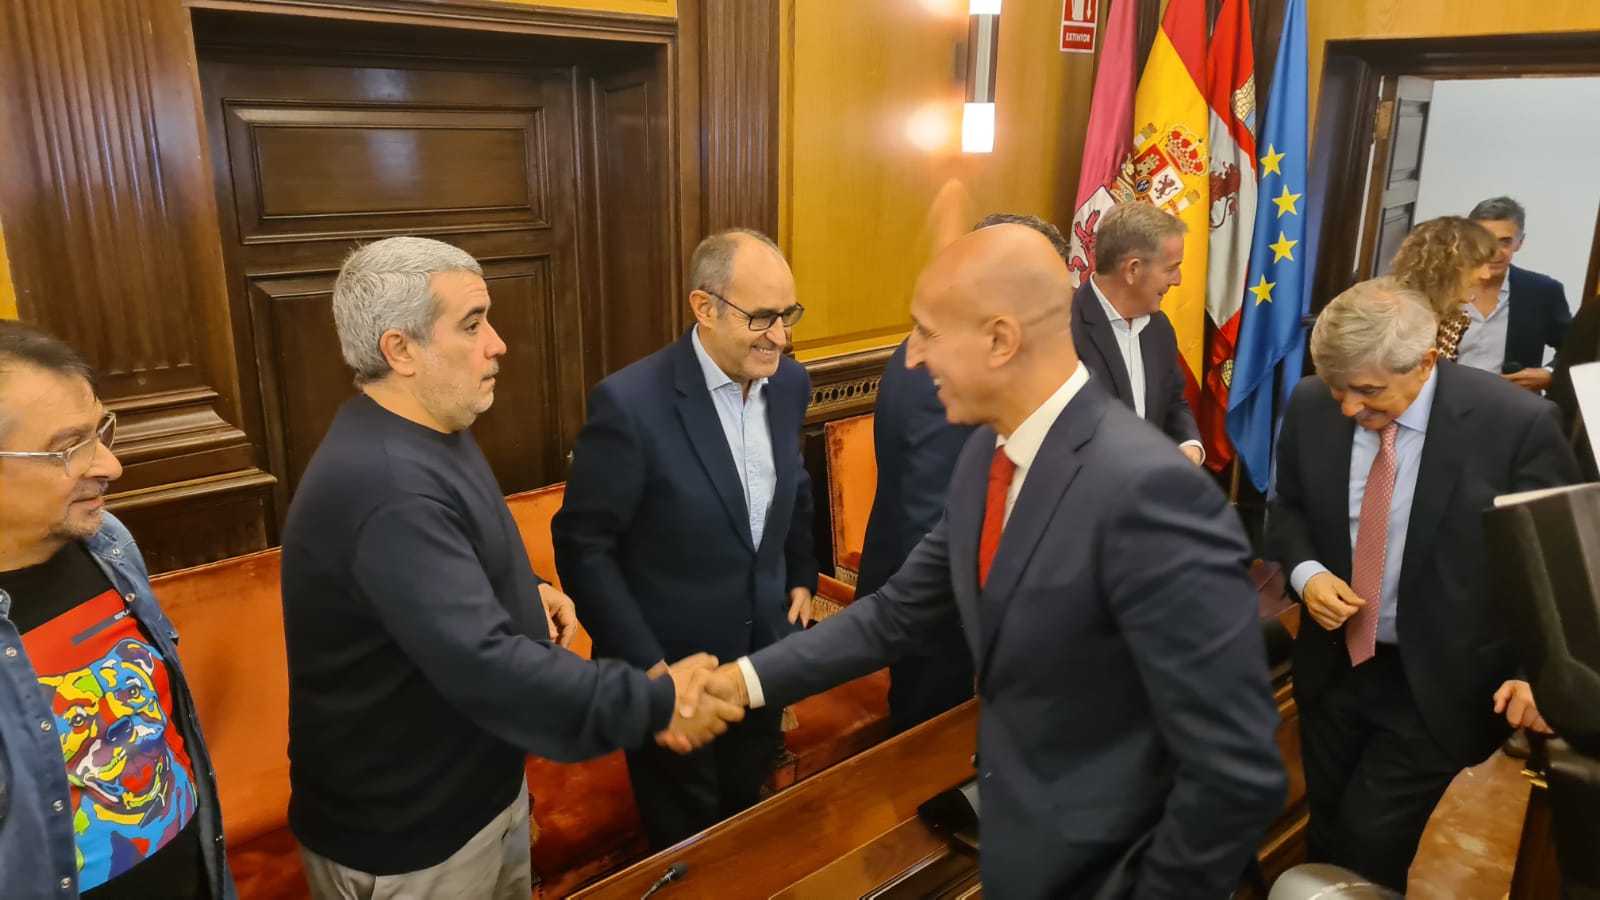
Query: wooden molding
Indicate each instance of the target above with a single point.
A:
(478, 14)
(113, 225)
(738, 62)
(845, 385)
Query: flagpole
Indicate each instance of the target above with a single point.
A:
(1233, 485)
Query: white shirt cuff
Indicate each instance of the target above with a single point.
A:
(1196, 444)
(1304, 573)
(752, 684)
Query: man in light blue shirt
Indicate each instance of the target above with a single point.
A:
(687, 516)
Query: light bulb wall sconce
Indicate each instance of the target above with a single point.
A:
(983, 41)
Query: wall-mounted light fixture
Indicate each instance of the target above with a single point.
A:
(983, 40)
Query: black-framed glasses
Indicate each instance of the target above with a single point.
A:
(75, 460)
(764, 320)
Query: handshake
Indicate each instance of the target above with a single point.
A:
(707, 699)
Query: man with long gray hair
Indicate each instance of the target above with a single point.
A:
(421, 658)
(1403, 675)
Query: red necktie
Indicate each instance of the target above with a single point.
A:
(994, 511)
(1372, 544)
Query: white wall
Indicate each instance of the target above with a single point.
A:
(1536, 140)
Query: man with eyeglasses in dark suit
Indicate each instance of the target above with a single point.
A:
(106, 788)
(686, 526)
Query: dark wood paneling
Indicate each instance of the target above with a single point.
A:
(417, 156)
(628, 121)
(315, 152)
(1346, 115)
(112, 228)
(739, 113)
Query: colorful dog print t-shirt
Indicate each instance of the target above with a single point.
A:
(133, 789)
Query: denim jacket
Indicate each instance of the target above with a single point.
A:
(38, 853)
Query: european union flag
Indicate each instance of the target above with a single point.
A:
(1275, 299)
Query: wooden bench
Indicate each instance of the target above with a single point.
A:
(230, 618)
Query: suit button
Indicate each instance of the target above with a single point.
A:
(11, 652)
(58, 806)
(46, 726)
(66, 884)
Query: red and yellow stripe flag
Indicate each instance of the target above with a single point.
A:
(1171, 164)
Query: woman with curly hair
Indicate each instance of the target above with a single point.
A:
(1446, 259)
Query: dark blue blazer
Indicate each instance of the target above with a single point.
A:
(653, 539)
(1539, 315)
(1165, 405)
(1126, 739)
(916, 449)
(1486, 437)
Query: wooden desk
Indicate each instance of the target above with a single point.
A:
(853, 831)
(843, 833)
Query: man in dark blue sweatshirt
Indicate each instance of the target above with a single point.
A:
(423, 657)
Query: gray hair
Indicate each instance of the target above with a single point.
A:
(1130, 230)
(1375, 323)
(387, 285)
(1500, 209)
(711, 267)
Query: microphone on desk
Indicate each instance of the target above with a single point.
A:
(677, 871)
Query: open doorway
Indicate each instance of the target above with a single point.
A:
(1413, 128)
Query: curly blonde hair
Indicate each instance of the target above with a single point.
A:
(1436, 256)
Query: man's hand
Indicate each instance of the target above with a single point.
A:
(697, 717)
(727, 683)
(1329, 600)
(1515, 699)
(1535, 379)
(800, 606)
(559, 614)
(1195, 453)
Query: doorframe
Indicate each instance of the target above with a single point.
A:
(1347, 109)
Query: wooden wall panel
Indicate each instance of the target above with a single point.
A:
(739, 108)
(631, 206)
(112, 233)
(873, 177)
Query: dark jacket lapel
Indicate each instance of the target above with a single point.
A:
(1053, 469)
(1331, 491)
(782, 429)
(1443, 450)
(704, 431)
(1522, 322)
(1088, 310)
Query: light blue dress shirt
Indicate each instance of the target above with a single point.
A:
(1484, 344)
(1408, 462)
(744, 424)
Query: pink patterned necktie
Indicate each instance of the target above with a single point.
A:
(1372, 539)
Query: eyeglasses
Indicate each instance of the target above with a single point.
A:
(75, 460)
(765, 320)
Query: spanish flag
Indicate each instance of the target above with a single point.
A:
(1171, 165)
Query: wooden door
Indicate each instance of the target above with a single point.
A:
(1399, 136)
(316, 156)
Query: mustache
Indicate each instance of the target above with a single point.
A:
(94, 488)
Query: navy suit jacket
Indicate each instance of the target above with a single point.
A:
(653, 538)
(1485, 437)
(1165, 405)
(1126, 739)
(1539, 315)
(916, 449)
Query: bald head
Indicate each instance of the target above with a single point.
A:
(1003, 270)
(993, 325)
